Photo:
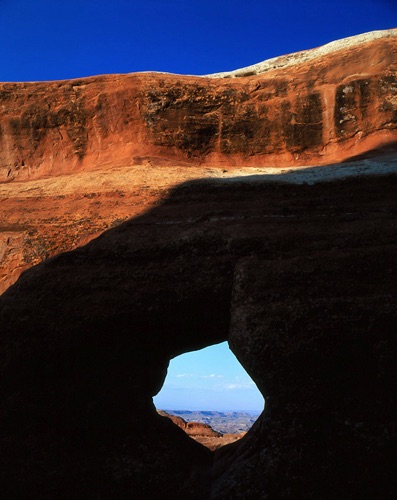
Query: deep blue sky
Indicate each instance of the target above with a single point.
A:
(46, 39)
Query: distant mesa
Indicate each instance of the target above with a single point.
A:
(191, 428)
(204, 433)
(225, 422)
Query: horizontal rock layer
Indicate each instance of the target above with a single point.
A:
(191, 428)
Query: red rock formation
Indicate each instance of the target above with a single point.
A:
(191, 428)
(327, 109)
(203, 433)
(77, 157)
(300, 278)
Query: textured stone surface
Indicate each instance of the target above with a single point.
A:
(304, 56)
(80, 156)
(301, 280)
(331, 108)
(325, 352)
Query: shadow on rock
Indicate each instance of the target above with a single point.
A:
(301, 279)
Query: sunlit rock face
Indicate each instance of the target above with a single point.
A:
(317, 109)
(302, 281)
(80, 156)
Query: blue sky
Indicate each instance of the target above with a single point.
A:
(209, 379)
(50, 40)
(46, 39)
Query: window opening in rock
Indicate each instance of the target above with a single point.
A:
(210, 387)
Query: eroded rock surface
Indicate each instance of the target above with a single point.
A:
(78, 157)
(325, 109)
(302, 281)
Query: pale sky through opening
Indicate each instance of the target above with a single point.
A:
(209, 379)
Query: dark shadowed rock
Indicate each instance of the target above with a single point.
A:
(302, 281)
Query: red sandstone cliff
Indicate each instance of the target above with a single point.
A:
(310, 110)
(203, 433)
(80, 156)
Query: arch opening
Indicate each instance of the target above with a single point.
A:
(210, 396)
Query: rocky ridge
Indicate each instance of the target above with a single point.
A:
(225, 422)
(282, 62)
(78, 157)
(325, 108)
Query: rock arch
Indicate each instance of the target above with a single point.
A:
(299, 279)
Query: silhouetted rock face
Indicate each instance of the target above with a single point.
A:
(326, 361)
(302, 281)
(337, 105)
